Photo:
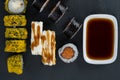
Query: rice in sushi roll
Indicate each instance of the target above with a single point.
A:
(15, 64)
(68, 53)
(15, 6)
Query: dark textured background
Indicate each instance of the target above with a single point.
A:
(79, 70)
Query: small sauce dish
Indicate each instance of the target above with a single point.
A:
(100, 39)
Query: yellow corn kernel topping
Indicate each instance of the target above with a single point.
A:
(15, 64)
(17, 33)
(15, 20)
(15, 46)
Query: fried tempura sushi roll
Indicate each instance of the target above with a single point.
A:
(15, 6)
(15, 64)
(15, 20)
(15, 46)
(17, 33)
(49, 48)
(36, 33)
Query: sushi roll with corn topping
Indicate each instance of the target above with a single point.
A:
(15, 64)
(15, 6)
(15, 20)
(15, 46)
(17, 33)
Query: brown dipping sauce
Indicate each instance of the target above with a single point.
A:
(67, 53)
(100, 39)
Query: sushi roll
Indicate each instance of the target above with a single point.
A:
(17, 33)
(15, 64)
(57, 12)
(40, 4)
(15, 6)
(15, 20)
(49, 48)
(72, 28)
(43, 43)
(68, 53)
(15, 46)
(36, 33)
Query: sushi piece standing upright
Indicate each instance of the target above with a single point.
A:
(36, 33)
(15, 6)
(68, 53)
(15, 64)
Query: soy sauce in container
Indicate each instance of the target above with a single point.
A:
(100, 39)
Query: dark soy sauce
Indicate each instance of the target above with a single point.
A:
(100, 39)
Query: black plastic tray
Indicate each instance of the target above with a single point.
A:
(78, 70)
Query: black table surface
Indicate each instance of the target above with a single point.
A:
(78, 70)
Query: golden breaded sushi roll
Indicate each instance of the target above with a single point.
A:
(15, 64)
(15, 46)
(15, 20)
(17, 33)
